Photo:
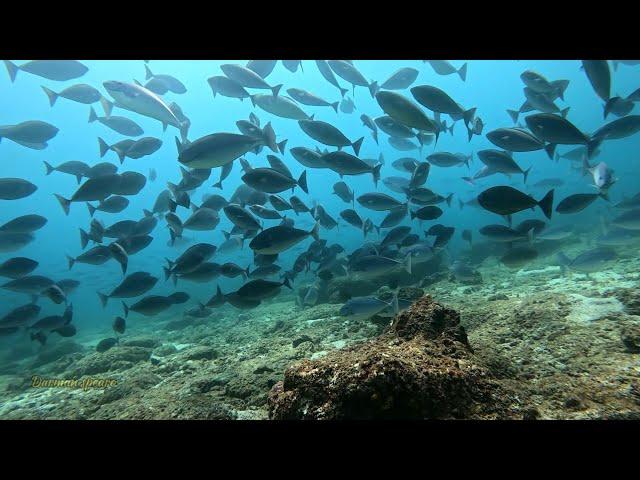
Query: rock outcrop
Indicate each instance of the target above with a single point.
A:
(421, 367)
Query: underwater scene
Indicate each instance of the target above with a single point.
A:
(319, 239)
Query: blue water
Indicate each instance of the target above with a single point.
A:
(491, 86)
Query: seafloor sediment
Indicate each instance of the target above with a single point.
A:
(538, 346)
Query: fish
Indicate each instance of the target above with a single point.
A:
(629, 220)
(262, 67)
(17, 267)
(347, 71)
(34, 134)
(363, 308)
(344, 163)
(216, 149)
(403, 110)
(577, 202)
(247, 77)
(327, 134)
(501, 161)
(20, 316)
(81, 93)
(370, 266)
(308, 98)
(326, 71)
(152, 305)
(227, 87)
(590, 261)
(73, 167)
(272, 181)
(277, 239)
(443, 67)
(379, 201)
(121, 125)
(505, 200)
(106, 344)
(599, 76)
(138, 99)
(401, 79)
(57, 70)
(24, 224)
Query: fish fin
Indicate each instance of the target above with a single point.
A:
(92, 210)
(107, 106)
(103, 299)
(463, 72)
(525, 174)
(53, 96)
(315, 231)
(514, 115)
(376, 174)
(564, 112)
(64, 203)
(148, 75)
(287, 284)
(49, 168)
(276, 89)
(356, 145)
(104, 147)
(407, 263)
(164, 126)
(468, 115)
(12, 69)
(550, 148)
(592, 146)
(302, 182)
(546, 204)
(126, 309)
(373, 89)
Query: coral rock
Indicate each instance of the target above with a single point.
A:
(421, 367)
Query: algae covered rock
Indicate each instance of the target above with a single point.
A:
(115, 359)
(420, 367)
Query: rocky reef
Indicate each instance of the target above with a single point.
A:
(420, 367)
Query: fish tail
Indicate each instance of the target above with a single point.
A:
(103, 299)
(51, 95)
(315, 231)
(546, 204)
(335, 105)
(107, 106)
(463, 72)
(49, 168)
(373, 89)
(64, 203)
(514, 115)
(92, 115)
(302, 182)
(148, 75)
(550, 148)
(104, 147)
(282, 145)
(92, 209)
(376, 174)
(525, 174)
(356, 145)
(12, 69)
(71, 261)
(126, 309)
